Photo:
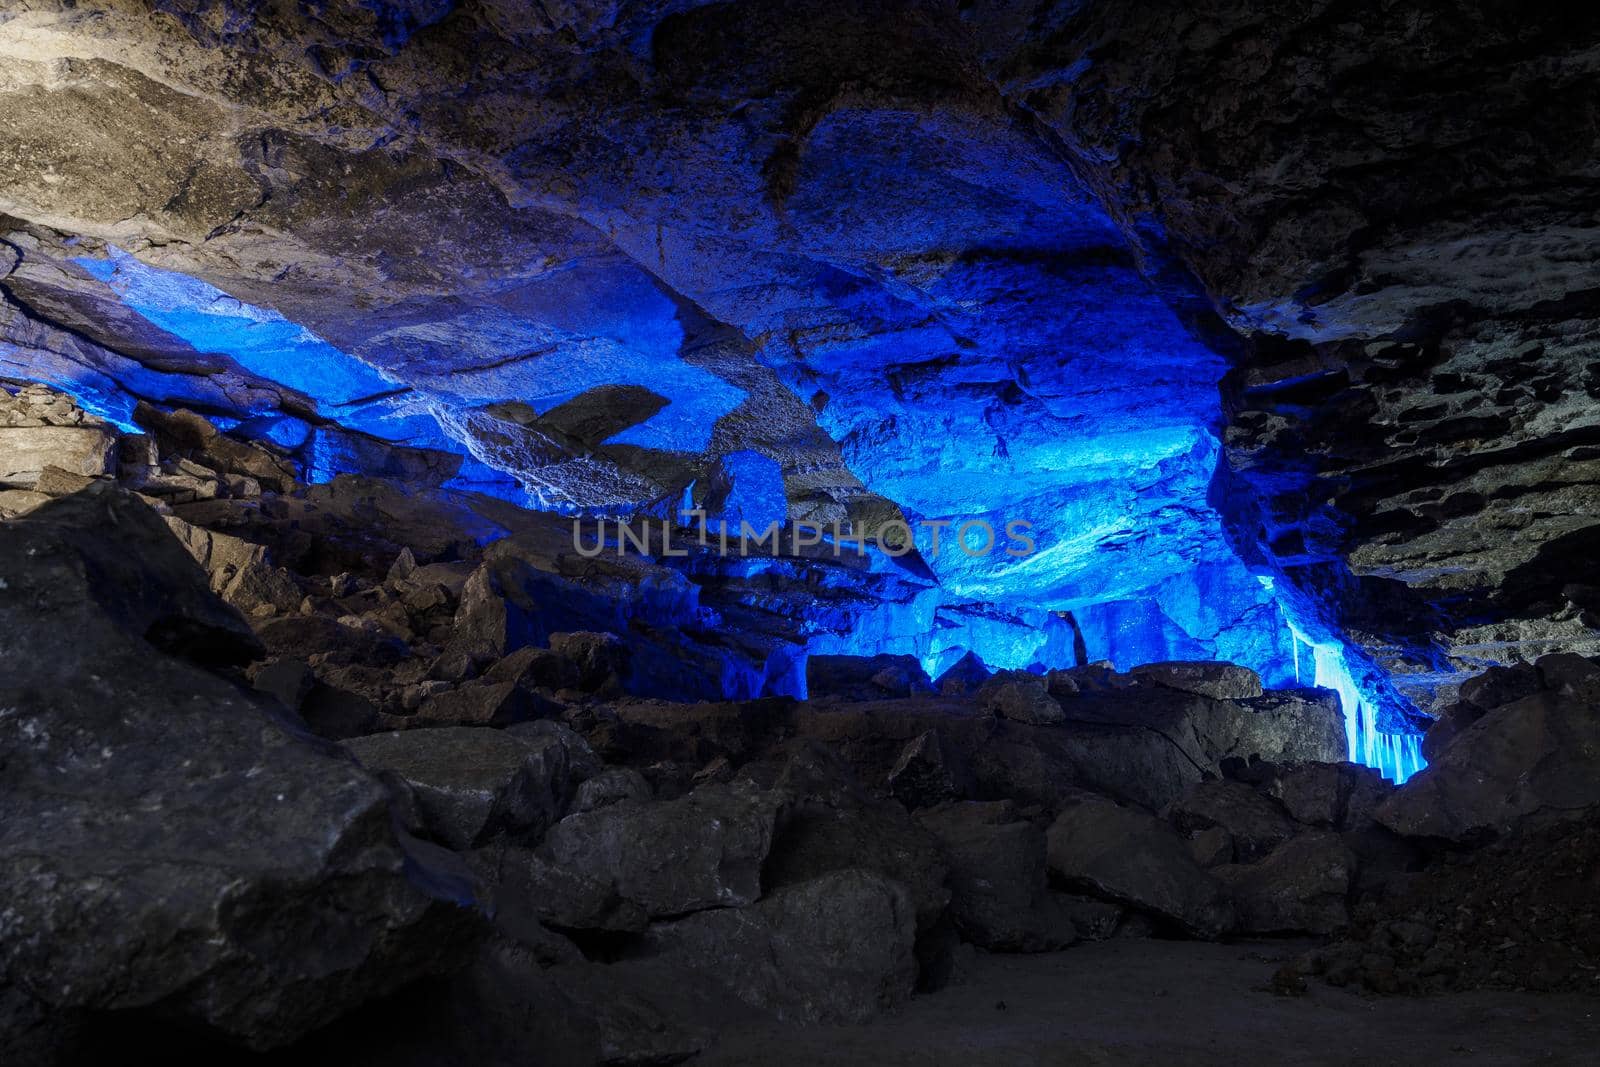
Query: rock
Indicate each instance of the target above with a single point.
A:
(1092, 919)
(493, 618)
(582, 763)
(168, 843)
(928, 772)
(403, 567)
(1136, 859)
(1255, 825)
(832, 823)
(1222, 681)
(288, 680)
(155, 590)
(1063, 684)
(1500, 685)
(479, 703)
(26, 451)
(1021, 697)
(611, 786)
(1533, 760)
(470, 784)
(523, 887)
(1303, 886)
(703, 850)
(185, 434)
(53, 481)
(531, 668)
(1340, 796)
(1570, 676)
(864, 677)
(598, 657)
(836, 949)
(966, 675)
(338, 714)
(999, 894)
(1211, 846)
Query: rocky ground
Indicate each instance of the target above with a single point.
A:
(345, 768)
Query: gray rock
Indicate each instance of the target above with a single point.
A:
(836, 949)
(611, 786)
(966, 675)
(1535, 759)
(1136, 859)
(25, 452)
(1021, 697)
(479, 703)
(596, 657)
(999, 894)
(1223, 681)
(865, 677)
(1302, 887)
(703, 850)
(288, 680)
(1340, 796)
(928, 772)
(1255, 824)
(831, 824)
(472, 783)
(166, 842)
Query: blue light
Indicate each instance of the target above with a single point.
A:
(259, 340)
(1396, 756)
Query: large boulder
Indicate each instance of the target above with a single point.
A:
(1223, 681)
(471, 783)
(27, 451)
(1534, 759)
(838, 948)
(1341, 796)
(167, 841)
(1132, 858)
(1254, 824)
(703, 850)
(1000, 898)
(1302, 887)
(832, 824)
(1020, 697)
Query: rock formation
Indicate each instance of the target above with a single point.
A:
(579, 527)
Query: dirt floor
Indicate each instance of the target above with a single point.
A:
(1179, 1004)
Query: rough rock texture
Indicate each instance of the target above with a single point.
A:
(704, 850)
(470, 783)
(999, 895)
(1411, 397)
(170, 842)
(834, 949)
(1135, 859)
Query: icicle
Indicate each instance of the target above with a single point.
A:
(1395, 756)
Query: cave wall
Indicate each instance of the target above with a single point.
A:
(1307, 286)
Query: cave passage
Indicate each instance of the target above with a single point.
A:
(1109, 482)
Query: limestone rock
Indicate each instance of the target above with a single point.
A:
(25, 452)
(1255, 824)
(1021, 697)
(1136, 859)
(1000, 898)
(837, 948)
(1223, 681)
(1532, 760)
(1303, 886)
(703, 850)
(167, 842)
(471, 783)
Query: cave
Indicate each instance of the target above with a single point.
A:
(746, 532)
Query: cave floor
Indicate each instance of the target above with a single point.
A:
(1135, 1001)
